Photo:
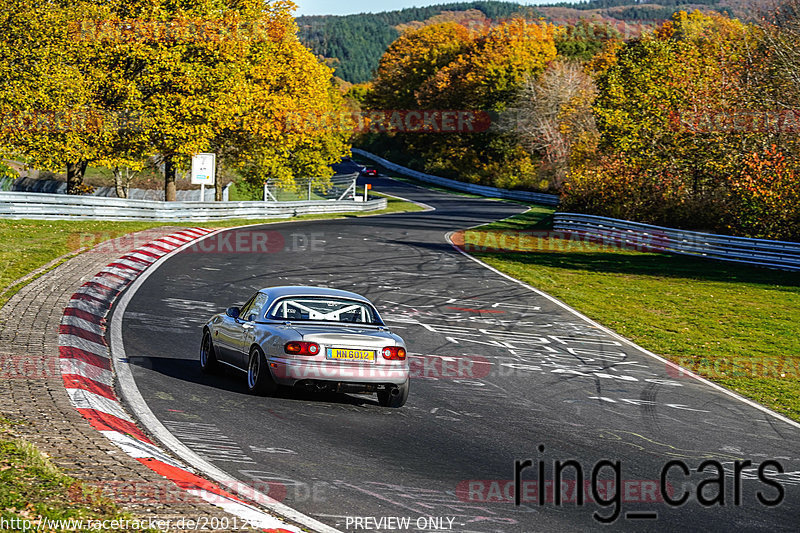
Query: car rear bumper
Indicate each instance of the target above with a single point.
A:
(291, 371)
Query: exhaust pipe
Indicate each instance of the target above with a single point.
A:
(395, 391)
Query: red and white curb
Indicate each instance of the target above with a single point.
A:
(86, 368)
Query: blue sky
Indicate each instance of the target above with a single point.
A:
(338, 7)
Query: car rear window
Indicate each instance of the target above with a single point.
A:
(324, 310)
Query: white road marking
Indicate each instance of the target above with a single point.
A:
(121, 272)
(171, 240)
(96, 292)
(140, 255)
(89, 307)
(71, 320)
(83, 399)
(253, 516)
(135, 265)
(141, 450)
(82, 368)
(260, 449)
(73, 341)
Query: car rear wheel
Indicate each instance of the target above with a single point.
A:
(259, 379)
(208, 356)
(394, 396)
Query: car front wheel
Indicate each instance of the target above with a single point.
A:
(394, 396)
(259, 379)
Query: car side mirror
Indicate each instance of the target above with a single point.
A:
(233, 312)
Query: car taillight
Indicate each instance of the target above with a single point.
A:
(394, 353)
(301, 348)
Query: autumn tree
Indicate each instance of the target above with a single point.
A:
(553, 118)
(414, 58)
(487, 75)
(689, 133)
(767, 195)
(669, 100)
(157, 78)
(46, 92)
(780, 56)
(226, 83)
(178, 70)
(447, 67)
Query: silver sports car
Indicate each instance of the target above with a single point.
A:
(323, 339)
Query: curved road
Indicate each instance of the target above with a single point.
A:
(502, 372)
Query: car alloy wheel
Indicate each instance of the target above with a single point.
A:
(259, 379)
(208, 357)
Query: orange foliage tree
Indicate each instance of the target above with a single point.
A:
(448, 67)
(681, 123)
(767, 194)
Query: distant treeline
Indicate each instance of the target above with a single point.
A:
(652, 13)
(355, 43)
(607, 4)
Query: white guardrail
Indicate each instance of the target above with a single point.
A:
(774, 254)
(480, 190)
(44, 206)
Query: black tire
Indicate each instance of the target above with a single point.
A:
(387, 399)
(259, 378)
(208, 355)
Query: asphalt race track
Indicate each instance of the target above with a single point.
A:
(501, 372)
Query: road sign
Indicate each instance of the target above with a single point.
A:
(203, 169)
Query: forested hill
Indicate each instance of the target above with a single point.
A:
(358, 41)
(355, 43)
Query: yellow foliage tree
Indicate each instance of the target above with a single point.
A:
(162, 78)
(414, 58)
(487, 75)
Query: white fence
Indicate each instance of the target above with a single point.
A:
(338, 187)
(761, 252)
(480, 190)
(60, 187)
(62, 207)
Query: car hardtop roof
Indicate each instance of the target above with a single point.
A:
(302, 290)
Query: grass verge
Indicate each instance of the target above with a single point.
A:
(33, 489)
(737, 325)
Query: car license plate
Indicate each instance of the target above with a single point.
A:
(347, 354)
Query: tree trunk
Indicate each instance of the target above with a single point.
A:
(169, 180)
(217, 183)
(75, 172)
(119, 184)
